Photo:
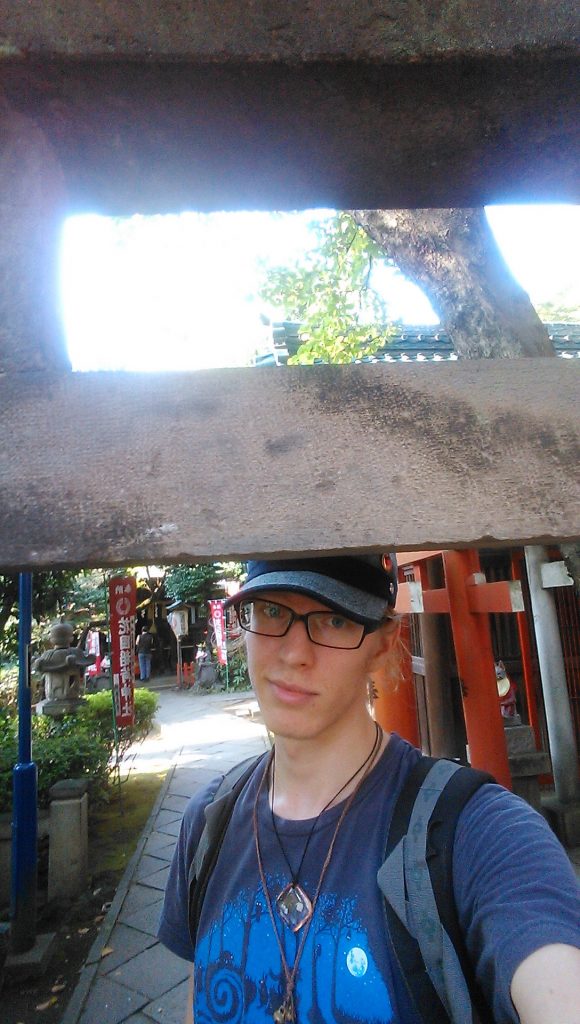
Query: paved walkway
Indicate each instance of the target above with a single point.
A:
(129, 976)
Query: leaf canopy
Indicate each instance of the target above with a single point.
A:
(330, 293)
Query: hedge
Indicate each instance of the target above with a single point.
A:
(80, 745)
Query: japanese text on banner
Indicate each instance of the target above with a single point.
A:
(217, 613)
(122, 604)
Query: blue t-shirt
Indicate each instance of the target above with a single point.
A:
(514, 888)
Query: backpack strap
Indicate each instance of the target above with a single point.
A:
(217, 818)
(416, 879)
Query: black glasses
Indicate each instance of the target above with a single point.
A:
(327, 629)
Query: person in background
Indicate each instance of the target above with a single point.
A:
(145, 644)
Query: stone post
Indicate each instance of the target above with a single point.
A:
(68, 851)
(32, 212)
(564, 811)
(558, 716)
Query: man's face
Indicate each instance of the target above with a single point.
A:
(306, 691)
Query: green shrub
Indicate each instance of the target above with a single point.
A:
(97, 715)
(74, 755)
(77, 746)
(237, 677)
(67, 755)
(8, 758)
(7, 725)
(9, 690)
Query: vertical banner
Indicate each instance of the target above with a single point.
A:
(217, 613)
(122, 604)
(93, 646)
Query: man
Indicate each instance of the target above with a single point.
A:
(292, 925)
(145, 645)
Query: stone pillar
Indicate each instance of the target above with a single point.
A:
(32, 212)
(563, 809)
(556, 700)
(68, 850)
(526, 763)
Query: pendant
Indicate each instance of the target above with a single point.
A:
(285, 1013)
(294, 906)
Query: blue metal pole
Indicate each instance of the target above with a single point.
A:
(24, 814)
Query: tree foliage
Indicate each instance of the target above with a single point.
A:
(193, 583)
(87, 593)
(82, 745)
(557, 312)
(330, 293)
(49, 594)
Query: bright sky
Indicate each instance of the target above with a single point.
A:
(179, 292)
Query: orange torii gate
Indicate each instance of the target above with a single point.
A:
(467, 598)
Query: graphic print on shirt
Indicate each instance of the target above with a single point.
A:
(239, 976)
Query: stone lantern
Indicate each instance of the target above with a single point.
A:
(63, 669)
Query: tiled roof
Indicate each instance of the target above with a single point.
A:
(410, 344)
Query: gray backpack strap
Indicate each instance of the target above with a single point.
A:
(217, 816)
(214, 811)
(406, 883)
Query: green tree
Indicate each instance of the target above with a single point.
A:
(49, 594)
(88, 594)
(331, 294)
(194, 583)
(558, 312)
(452, 255)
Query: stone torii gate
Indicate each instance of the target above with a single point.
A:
(122, 108)
(151, 107)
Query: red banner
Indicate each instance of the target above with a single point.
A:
(122, 604)
(216, 609)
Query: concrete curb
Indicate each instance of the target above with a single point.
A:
(77, 1001)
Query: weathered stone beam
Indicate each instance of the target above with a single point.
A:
(107, 469)
(151, 137)
(32, 209)
(286, 30)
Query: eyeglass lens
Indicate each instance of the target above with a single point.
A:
(327, 628)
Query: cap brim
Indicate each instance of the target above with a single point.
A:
(355, 603)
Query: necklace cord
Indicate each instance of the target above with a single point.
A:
(295, 876)
(290, 975)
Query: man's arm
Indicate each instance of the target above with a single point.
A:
(545, 988)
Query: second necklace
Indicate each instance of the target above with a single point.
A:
(293, 903)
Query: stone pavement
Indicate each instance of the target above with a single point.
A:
(129, 976)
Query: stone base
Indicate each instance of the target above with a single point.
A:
(564, 819)
(56, 708)
(528, 788)
(94, 684)
(34, 962)
(519, 738)
(526, 763)
(512, 721)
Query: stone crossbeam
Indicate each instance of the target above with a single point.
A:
(112, 469)
(156, 106)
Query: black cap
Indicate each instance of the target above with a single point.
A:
(363, 587)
